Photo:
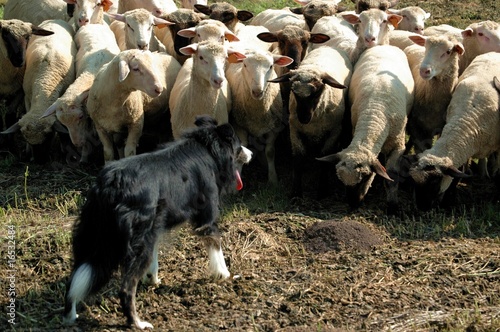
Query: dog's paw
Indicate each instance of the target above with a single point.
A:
(151, 279)
(68, 321)
(143, 325)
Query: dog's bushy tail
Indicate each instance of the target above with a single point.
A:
(98, 246)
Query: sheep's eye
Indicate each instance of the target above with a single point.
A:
(245, 65)
(136, 69)
(271, 67)
(201, 58)
(198, 35)
(128, 25)
(384, 21)
(448, 52)
(480, 34)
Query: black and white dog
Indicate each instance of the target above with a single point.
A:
(137, 199)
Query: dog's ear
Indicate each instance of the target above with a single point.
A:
(226, 132)
(205, 121)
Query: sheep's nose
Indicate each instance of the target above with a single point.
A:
(157, 12)
(143, 47)
(159, 89)
(419, 30)
(83, 21)
(370, 39)
(257, 93)
(218, 82)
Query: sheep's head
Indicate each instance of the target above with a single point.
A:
(258, 68)
(209, 61)
(87, 11)
(15, 36)
(209, 30)
(440, 50)
(362, 5)
(486, 35)
(432, 176)
(373, 26)
(356, 169)
(225, 12)
(137, 69)
(413, 19)
(293, 42)
(182, 19)
(316, 9)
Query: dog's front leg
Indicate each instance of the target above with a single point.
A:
(211, 238)
(151, 276)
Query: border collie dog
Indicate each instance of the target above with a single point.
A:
(137, 199)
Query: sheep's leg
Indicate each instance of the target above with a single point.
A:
(107, 144)
(272, 176)
(134, 133)
(392, 186)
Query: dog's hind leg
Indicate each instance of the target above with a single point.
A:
(78, 288)
(210, 236)
(151, 276)
(136, 265)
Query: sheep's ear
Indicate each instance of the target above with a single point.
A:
(230, 36)
(59, 127)
(282, 60)
(118, 17)
(467, 32)
(459, 48)
(51, 110)
(496, 83)
(395, 19)
(267, 37)
(106, 5)
(124, 70)
(394, 11)
(454, 172)
(234, 56)
(419, 40)
(161, 23)
(297, 10)
(187, 33)
(380, 170)
(427, 15)
(351, 18)
(318, 38)
(40, 32)
(244, 15)
(332, 158)
(189, 50)
(203, 9)
(327, 79)
(283, 78)
(84, 96)
(12, 129)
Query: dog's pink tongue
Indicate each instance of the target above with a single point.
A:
(239, 183)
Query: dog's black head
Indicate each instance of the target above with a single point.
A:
(225, 147)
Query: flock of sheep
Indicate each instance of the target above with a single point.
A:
(110, 73)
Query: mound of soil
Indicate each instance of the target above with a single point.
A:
(336, 235)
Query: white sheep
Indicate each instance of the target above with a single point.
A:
(444, 29)
(201, 86)
(381, 97)
(317, 106)
(278, 19)
(342, 34)
(159, 8)
(247, 38)
(134, 29)
(96, 46)
(35, 11)
(208, 30)
(256, 104)
(471, 131)
(115, 102)
(49, 71)
(373, 29)
(413, 19)
(479, 38)
(434, 65)
(87, 11)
